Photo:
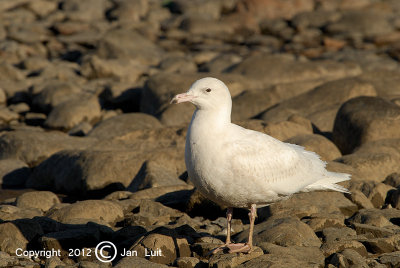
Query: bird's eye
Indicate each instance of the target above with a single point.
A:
(208, 89)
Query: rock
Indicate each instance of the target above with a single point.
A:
(178, 64)
(10, 213)
(365, 119)
(163, 240)
(286, 129)
(372, 231)
(390, 259)
(70, 113)
(379, 194)
(338, 239)
(303, 205)
(85, 11)
(382, 245)
(138, 262)
(33, 147)
(42, 200)
(310, 255)
(284, 231)
(375, 160)
(162, 169)
(6, 116)
(151, 213)
(367, 23)
(358, 198)
(320, 104)
(13, 172)
(394, 199)
(53, 93)
(376, 217)
(3, 97)
(287, 70)
(88, 210)
(120, 69)
(9, 72)
(17, 234)
(122, 124)
(393, 180)
(128, 44)
(274, 261)
(262, 99)
(317, 143)
(189, 262)
(320, 221)
(347, 256)
(233, 259)
(6, 260)
(130, 11)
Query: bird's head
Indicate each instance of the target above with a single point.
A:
(206, 94)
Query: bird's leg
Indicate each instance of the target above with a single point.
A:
(229, 213)
(248, 247)
(238, 247)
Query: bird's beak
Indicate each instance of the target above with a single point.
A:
(184, 97)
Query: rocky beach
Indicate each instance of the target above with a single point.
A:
(92, 169)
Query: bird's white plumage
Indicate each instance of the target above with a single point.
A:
(237, 167)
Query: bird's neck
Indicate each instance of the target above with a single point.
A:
(214, 119)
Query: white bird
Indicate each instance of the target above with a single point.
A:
(238, 167)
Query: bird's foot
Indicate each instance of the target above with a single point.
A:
(232, 248)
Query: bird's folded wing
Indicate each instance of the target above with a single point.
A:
(286, 168)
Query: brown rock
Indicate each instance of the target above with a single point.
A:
(70, 113)
(310, 255)
(13, 172)
(17, 234)
(88, 210)
(121, 124)
(320, 104)
(138, 262)
(42, 200)
(287, 70)
(286, 129)
(379, 194)
(365, 119)
(376, 217)
(33, 147)
(284, 231)
(320, 221)
(375, 160)
(167, 241)
(189, 262)
(10, 213)
(317, 143)
(233, 260)
(358, 198)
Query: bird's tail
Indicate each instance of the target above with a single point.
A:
(329, 183)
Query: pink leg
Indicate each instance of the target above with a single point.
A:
(239, 247)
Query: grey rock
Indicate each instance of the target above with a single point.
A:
(42, 200)
(13, 172)
(365, 119)
(122, 124)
